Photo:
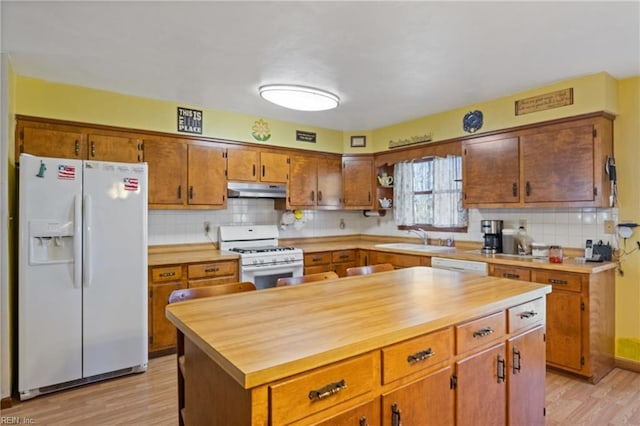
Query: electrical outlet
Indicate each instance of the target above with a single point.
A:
(609, 227)
(207, 228)
(522, 222)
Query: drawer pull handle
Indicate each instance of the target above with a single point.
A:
(516, 361)
(501, 369)
(395, 415)
(483, 332)
(509, 275)
(556, 281)
(167, 274)
(212, 269)
(344, 256)
(363, 421)
(528, 314)
(317, 259)
(420, 356)
(328, 390)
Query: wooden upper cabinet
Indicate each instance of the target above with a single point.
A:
(491, 170)
(329, 182)
(357, 178)
(274, 167)
(253, 165)
(206, 174)
(315, 182)
(558, 164)
(167, 160)
(114, 148)
(52, 139)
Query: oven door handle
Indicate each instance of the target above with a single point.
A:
(267, 267)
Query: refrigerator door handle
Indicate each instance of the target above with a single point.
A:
(77, 241)
(88, 225)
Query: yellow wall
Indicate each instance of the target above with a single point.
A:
(66, 102)
(627, 155)
(596, 92)
(592, 93)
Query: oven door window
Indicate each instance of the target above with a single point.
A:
(268, 281)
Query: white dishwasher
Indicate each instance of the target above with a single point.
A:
(480, 268)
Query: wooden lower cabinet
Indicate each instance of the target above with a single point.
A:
(337, 261)
(212, 273)
(398, 260)
(423, 402)
(162, 281)
(362, 415)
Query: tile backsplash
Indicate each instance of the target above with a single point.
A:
(569, 227)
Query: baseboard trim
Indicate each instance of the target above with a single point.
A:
(6, 403)
(628, 364)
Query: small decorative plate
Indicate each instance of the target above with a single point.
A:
(472, 121)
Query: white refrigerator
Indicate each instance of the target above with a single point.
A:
(82, 275)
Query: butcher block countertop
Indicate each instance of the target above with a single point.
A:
(190, 253)
(262, 336)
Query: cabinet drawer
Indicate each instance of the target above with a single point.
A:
(526, 315)
(417, 354)
(317, 258)
(397, 260)
(510, 272)
(166, 273)
(214, 269)
(213, 281)
(320, 389)
(476, 333)
(559, 280)
(343, 256)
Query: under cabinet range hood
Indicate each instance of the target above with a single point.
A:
(255, 190)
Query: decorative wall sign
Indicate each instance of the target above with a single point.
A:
(472, 121)
(551, 100)
(358, 141)
(305, 136)
(189, 120)
(261, 130)
(411, 141)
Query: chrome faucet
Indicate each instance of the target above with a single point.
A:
(422, 233)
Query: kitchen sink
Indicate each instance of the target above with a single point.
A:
(416, 247)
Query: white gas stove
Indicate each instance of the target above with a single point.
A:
(262, 260)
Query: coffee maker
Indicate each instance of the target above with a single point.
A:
(492, 230)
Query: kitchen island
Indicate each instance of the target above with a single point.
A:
(405, 345)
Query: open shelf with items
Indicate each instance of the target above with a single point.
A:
(384, 187)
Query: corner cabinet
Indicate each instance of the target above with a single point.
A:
(553, 164)
(358, 182)
(185, 174)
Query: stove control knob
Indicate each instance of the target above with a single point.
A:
(255, 261)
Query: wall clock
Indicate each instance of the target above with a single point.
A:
(472, 121)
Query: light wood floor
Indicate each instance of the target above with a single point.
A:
(150, 399)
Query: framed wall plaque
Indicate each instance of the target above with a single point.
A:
(358, 141)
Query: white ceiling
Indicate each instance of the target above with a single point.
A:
(388, 61)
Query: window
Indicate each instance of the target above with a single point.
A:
(428, 192)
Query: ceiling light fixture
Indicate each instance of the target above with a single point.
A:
(301, 98)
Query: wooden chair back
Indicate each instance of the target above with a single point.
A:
(208, 291)
(306, 278)
(369, 269)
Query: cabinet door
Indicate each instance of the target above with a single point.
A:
(302, 185)
(114, 148)
(427, 401)
(558, 165)
(167, 159)
(367, 414)
(481, 392)
(162, 332)
(274, 167)
(491, 171)
(242, 164)
(206, 175)
(526, 378)
(53, 143)
(564, 329)
(329, 182)
(357, 178)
